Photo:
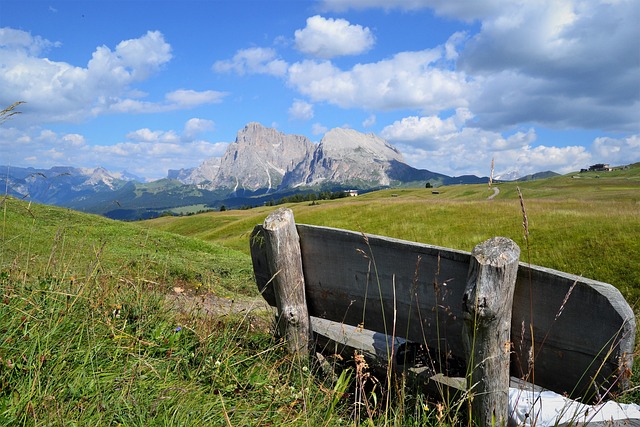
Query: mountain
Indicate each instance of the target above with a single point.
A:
(264, 160)
(259, 159)
(539, 175)
(346, 157)
(259, 164)
(59, 185)
(202, 175)
(507, 176)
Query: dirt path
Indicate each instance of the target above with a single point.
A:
(216, 307)
(496, 191)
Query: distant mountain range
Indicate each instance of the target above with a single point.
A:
(262, 164)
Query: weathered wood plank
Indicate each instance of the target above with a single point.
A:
(345, 339)
(487, 303)
(350, 278)
(282, 248)
(583, 330)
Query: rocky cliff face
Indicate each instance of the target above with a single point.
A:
(264, 159)
(259, 158)
(201, 176)
(346, 156)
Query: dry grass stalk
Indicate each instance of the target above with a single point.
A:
(525, 220)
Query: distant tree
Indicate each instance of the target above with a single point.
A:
(223, 208)
(428, 185)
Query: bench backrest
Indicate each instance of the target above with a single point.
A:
(583, 330)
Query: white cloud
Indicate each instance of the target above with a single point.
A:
(556, 63)
(158, 136)
(195, 127)
(176, 100)
(18, 41)
(58, 91)
(328, 38)
(407, 80)
(319, 129)
(369, 121)
(255, 60)
(145, 152)
(426, 131)
(74, 139)
(617, 151)
(451, 147)
(301, 110)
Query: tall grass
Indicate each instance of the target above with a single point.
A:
(586, 226)
(89, 337)
(572, 231)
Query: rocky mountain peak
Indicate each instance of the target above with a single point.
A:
(259, 158)
(341, 141)
(99, 176)
(264, 159)
(348, 157)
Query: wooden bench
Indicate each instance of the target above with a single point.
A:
(568, 334)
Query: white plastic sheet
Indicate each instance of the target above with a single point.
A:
(546, 408)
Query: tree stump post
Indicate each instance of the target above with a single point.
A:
(285, 265)
(487, 306)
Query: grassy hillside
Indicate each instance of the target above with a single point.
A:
(586, 224)
(88, 336)
(40, 240)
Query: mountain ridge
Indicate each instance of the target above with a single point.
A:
(259, 165)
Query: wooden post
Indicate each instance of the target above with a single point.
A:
(487, 305)
(285, 265)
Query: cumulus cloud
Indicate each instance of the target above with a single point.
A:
(147, 135)
(407, 80)
(617, 151)
(450, 146)
(327, 38)
(561, 64)
(58, 91)
(144, 152)
(195, 127)
(176, 100)
(301, 110)
(255, 60)
(369, 121)
(557, 63)
(319, 129)
(18, 41)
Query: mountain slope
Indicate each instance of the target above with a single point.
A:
(347, 157)
(260, 162)
(259, 159)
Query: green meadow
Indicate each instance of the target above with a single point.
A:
(585, 223)
(91, 334)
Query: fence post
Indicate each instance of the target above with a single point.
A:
(487, 306)
(282, 246)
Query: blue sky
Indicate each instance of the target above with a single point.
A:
(146, 86)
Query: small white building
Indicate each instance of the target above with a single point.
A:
(351, 193)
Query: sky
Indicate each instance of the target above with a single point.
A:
(146, 86)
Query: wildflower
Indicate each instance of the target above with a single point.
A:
(178, 329)
(425, 407)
